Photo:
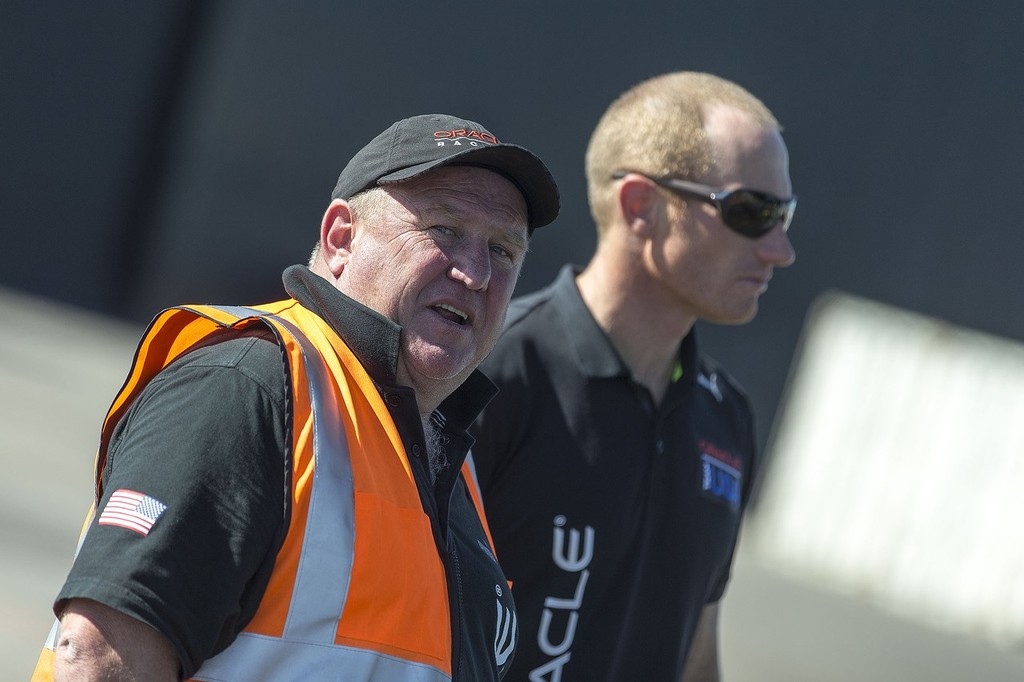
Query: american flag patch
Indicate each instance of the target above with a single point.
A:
(131, 510)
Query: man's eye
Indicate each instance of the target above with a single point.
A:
(502, 251)
(442, 230)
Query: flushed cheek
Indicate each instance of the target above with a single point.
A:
(497, 305)
(503, 285)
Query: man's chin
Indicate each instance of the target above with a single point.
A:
(734, 317)
(439, 363)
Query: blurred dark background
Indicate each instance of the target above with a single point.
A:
(162, 152)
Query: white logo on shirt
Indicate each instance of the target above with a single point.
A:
(711, 383)
(571, 560)
(505, 632)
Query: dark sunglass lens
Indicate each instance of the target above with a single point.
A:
(750, 214)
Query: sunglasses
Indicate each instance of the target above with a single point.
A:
(747, 212)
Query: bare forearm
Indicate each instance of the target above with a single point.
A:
(99, 644)
(701, 669)
(702, 660)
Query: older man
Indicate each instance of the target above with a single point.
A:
(616, 460)
(281, 489)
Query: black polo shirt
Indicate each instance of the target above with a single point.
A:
(615, 520)
(209, 437)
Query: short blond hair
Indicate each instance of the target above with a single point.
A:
(657, 128)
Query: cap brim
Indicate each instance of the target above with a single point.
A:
(525, 170)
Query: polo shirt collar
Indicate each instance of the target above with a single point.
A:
(372, 337)
(595, 353)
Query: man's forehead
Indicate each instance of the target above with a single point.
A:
(747, 152)
(460, 191)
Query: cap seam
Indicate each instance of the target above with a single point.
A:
(388, 170)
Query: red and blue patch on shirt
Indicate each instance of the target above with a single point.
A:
(721, 474)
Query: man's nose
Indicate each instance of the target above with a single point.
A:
(471, 265)
(775, 248)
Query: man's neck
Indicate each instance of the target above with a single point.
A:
(645, 330)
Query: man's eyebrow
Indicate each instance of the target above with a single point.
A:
(512, 235)
(517, 238)
(446, 210)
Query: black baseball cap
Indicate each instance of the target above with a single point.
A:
(413, 146)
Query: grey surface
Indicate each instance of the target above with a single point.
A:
(59, 369)
(776, 629)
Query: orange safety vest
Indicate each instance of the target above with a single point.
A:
(358, 587)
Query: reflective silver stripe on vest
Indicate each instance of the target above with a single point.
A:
(307, 650)
(472, 470)
(325, 567)
(256, 657)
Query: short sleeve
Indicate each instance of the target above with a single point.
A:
(206, 446)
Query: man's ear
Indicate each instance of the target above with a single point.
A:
(638, 204)
(336, 233)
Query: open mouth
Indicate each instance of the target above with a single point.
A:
(451, 313)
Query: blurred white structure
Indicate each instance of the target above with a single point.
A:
(897, 469)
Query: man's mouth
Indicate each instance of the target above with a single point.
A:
(451, 313)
